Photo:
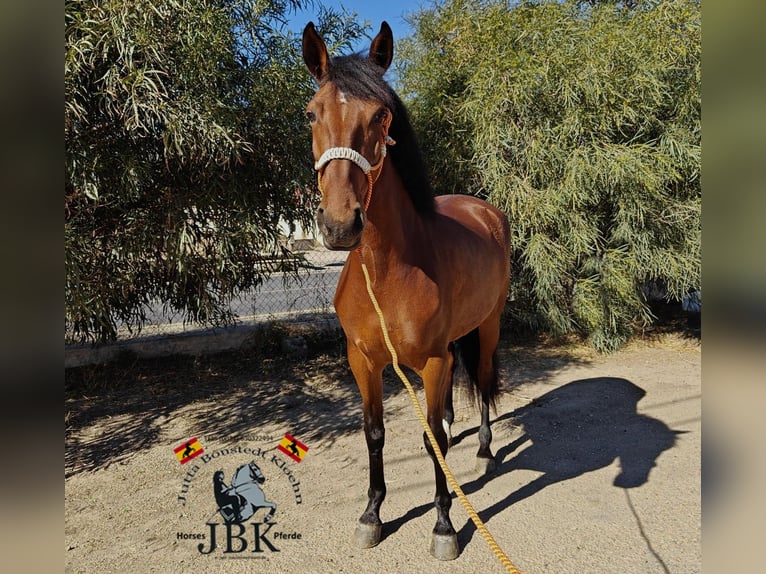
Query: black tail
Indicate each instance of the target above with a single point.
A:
(467, 352)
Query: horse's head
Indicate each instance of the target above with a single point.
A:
(349, 116)
(256, 474)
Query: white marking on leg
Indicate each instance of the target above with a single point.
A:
(447, 430)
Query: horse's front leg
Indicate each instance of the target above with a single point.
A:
(436, 380)
(370, 382)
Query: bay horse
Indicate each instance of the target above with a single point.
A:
(439, 266)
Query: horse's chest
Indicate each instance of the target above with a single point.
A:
(410, 307)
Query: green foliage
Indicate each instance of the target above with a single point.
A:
(581, 120)
(185, 145)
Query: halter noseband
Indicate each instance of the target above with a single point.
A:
(349, 154)
(358, 159)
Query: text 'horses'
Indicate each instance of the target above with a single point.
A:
(439, 266)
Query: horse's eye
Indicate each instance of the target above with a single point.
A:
(380, 116)
(311, 117)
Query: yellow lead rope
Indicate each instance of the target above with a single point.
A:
(510, 568)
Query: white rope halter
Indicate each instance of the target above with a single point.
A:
(349, 154)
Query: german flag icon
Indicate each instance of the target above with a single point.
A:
(188, 450)
(293, 448)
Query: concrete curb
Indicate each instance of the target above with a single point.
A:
(197, 342)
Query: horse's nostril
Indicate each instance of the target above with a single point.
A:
(358, 219)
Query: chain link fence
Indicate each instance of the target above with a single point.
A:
(283, 295)
(299, 298)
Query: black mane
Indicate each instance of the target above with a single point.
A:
(358, 77)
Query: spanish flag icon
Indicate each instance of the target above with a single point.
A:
(188, 450)
(293, 448)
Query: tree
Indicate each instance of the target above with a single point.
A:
(185, 145)
(581, 120)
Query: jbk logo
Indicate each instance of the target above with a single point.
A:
(243, 523)
(236, 538)
(238, 502)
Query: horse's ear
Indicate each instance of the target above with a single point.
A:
(314, 52)
(382, 47)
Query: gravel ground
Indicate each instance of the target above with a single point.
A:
(598, 465)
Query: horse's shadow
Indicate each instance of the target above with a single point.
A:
(574, 429)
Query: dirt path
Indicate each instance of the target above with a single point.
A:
(598, 466)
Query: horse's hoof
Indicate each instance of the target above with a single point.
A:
(367, 535)
(485, 465)
(444, 546)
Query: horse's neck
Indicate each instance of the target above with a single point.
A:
(394, 225)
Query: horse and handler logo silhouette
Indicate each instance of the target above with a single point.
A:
(242, 499)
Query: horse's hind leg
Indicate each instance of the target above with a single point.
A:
(489, 335)
(449, 410)
(369, 528)
(435, 377)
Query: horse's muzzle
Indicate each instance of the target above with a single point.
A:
(343, 234)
